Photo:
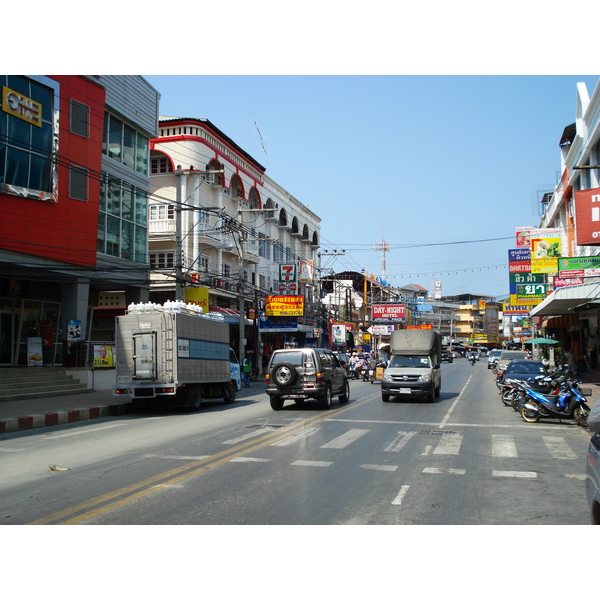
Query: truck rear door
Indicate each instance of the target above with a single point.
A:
(144, 355)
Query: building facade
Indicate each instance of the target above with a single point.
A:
(220, 230)
(569, 314)
(74, 185)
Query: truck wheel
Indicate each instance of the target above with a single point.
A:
(194, 398)
(230, 392)
(385, 397)
(325, 399)
(276, 402)
(343, 398)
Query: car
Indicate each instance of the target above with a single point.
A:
(507, 356)
(522, 370)
(592, 467)
(493, 357)
(344, 360)
(447, 356)
(302, 373)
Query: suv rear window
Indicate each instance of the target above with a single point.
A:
(294, 358)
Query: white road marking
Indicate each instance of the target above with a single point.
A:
(380, 467)
(518, 474)
(580, 476)
(311, 463)
(558, 448)
(82, 431)
(398, 499)
(12, 450)
(427, 451)
(438, 470)
(292, 439)
(401, 441)
(245, 437)
(244, 459)
(503, 446)
(346, 439)
(449, 444)
(445, 419)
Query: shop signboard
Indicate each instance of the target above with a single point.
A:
(580, 266)
(515, 309)
(277, 324)
(531, 290)
(284, 306)
(519, 260)
(338, 334)
(388, 313)
(545, 250)
(520, 278)
(587, 217)
(514, 300)
(523, 235)
(559, 282)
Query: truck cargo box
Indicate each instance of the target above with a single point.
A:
(416, 342)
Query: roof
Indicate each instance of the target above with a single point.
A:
(217, 132)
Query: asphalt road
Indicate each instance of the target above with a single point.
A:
(464, 459)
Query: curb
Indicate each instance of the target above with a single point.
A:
(63, 417)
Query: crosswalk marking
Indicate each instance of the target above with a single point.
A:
(244, 459)
(400, 441)
(518, 474)
(346, 439)
(444, 471)
(449, 444)
(503, 446)
(243, 438)
(558, 448)
(380, 467)
(292, 439)
(311, 463)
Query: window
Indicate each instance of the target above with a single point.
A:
(78, 183)
(162, 260)
(161, 212)
(29, 136)
(161, 165)
(226, 270)
(122, 219)
(125, 144)
(203, 264)
(80, 118)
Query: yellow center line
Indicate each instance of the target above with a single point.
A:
(182, 473)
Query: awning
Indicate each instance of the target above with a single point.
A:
(563, 301)
(230, 314)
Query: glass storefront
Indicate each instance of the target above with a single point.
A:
(23, 319)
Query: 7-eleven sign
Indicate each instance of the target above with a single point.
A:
(288, 273)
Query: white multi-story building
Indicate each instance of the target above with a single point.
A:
(217, 221)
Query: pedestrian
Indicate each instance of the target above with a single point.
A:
(246, 370)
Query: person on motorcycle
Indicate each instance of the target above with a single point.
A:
(472, 358)
(362, 367)
(352, 364)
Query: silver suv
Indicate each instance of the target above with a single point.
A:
(301, 373)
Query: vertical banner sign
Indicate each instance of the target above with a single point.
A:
(587, 217)
(306, 271)
(519, 260)
(545, 250)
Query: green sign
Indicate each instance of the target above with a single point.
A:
(531, 290)
(580, 266)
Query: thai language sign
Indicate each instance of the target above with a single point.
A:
(284, 306)
(581, 266)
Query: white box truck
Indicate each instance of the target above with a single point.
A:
(174, 353)
(414, 366)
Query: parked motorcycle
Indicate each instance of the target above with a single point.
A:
(513, 392)
(569, 403)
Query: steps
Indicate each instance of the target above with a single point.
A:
(37, 382)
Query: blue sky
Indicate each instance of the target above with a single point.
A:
(431, 163)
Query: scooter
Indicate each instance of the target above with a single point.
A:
(516, 392)
(569, 403)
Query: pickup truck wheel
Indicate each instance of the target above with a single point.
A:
(194, 398)
(325, 399)
(230, 392)
(345, 396)
(276, 402)
(385, 397)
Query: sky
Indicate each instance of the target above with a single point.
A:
(440, 167)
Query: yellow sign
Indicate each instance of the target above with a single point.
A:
(104, 356)
(21, 106)
(284, 306)
(197, 295)
(514, 301)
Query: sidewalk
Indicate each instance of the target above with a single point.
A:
(20, 415)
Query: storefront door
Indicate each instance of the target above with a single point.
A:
(7, 337)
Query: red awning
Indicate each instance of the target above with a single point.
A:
(225, 311)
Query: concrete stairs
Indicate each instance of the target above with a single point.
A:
(37, 382)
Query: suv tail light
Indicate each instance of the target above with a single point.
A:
(319, 377)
